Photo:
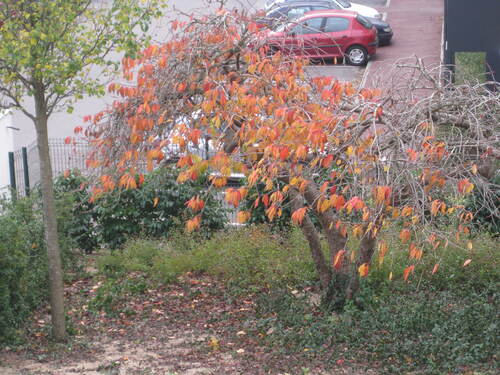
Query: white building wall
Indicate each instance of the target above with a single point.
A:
(6, 145)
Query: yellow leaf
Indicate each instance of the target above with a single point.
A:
(474, 169)
(155, 201)
(469, 245)
(213, 343)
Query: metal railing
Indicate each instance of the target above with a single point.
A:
(25, 168)
(24, 164)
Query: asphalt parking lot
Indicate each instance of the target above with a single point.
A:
(416, 25)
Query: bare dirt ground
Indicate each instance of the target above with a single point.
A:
(188, 328)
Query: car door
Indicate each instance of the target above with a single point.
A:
(307, 35)
(336, 35)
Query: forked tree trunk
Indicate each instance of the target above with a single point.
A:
(56, 291)
(339, 284)
(312, 236)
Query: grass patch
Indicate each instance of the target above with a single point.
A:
(249, 257)
(470, 66)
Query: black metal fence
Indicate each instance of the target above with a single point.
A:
(24, 164)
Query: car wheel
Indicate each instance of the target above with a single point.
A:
(357, 55)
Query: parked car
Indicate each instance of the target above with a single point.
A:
(326, 34)
(290, 10)
(335, 4)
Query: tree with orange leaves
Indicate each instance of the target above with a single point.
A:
(357, 160)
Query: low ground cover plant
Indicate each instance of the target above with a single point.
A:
(441, 322)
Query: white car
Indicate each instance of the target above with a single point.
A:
(337, 4)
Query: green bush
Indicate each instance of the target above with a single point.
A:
(486, 213)
(76, 212)
(23, 265)
(121, 214)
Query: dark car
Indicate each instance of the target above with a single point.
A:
(288, 11)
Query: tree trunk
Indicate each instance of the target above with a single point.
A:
(366, 251)
(314, 241)
(56, 290)
(336, 242)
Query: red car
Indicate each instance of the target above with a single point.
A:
(326, 34)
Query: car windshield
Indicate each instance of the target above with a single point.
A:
(363, 21)
(344, 3)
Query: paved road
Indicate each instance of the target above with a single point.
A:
(417, 26)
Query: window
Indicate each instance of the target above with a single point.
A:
(334, 24)
(310, 26)
(318, 7)
(344, 3)
(364, 22)
(297, 12)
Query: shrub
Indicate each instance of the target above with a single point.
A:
(76, 213)
(154, 209)
(23, 265)
(487, 214)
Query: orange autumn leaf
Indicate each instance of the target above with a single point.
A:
(435, 269)
(363, 270)
(382, 250)
(338, 259)
(196, 204)
(408, 270)
(233, 196)
(193, 224)
(404, 235)
(298, 215)
(243, 216)
(155, 201)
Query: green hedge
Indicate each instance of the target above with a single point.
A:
(23, 264)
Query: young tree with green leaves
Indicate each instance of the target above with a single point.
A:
(55, 52)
